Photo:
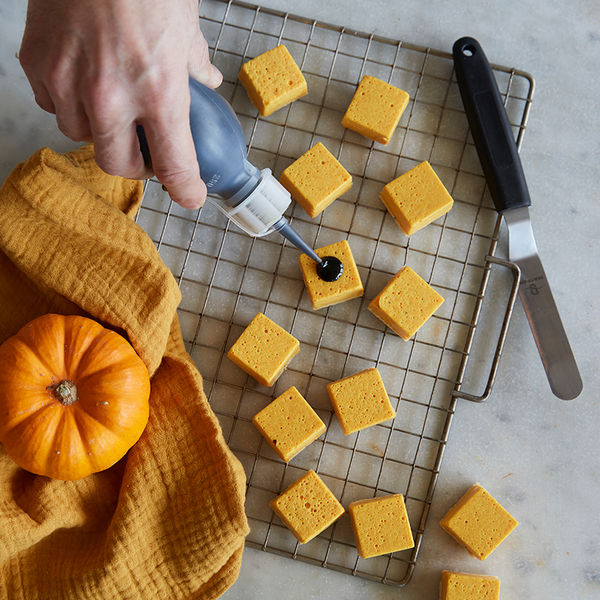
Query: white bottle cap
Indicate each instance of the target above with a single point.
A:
(261, 208)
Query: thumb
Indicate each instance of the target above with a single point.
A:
(199, 65)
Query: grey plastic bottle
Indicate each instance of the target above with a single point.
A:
(252, 198)
(220, 146)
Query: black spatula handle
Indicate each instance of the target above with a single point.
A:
(490, 127)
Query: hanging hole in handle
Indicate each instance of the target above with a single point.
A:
(468, 50)
(476, 353)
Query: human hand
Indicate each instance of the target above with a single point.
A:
(105, 66)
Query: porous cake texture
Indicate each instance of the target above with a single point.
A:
(375, 109)
(466, 586)
(307, 507)
(360, 401)
(478, 522)
(406, 303)
(289, 424)
(380, 525)
(416, 198)
(327, 293)
(273, 80)
(264, 350)
(316, 179)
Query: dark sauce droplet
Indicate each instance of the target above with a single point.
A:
(330, 269)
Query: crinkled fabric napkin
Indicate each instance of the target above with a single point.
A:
(167, 521)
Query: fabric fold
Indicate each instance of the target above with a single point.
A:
(168, 520)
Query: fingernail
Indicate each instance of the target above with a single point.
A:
(191, 205)
(217, 76)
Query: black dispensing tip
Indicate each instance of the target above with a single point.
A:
(286, 230)
(330, 268)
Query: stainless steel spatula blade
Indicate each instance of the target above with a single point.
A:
(499, 156)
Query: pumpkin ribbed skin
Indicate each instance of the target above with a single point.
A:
(44, 433)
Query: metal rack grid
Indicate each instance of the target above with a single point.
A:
(227, 277)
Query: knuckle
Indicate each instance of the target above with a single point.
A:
(120, 168)
(73, 123)
(44, 103)
(59, 84)
(115, 163)
(107, 165)
(74, 132)
(26, 59)
(176, 177)
(103, 102)
(165, 93)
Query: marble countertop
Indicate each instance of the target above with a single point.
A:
(537, 454)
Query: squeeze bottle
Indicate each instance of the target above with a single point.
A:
(253, 199)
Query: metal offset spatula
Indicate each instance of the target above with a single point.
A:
(497, 150)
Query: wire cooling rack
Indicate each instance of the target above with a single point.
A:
(226, 277)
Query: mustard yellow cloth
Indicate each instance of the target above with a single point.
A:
(167, 521)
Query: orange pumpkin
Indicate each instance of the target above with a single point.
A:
(73, 397)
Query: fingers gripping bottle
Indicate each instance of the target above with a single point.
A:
(253, 199)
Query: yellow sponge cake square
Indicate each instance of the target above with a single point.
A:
(289, 424)
(478, 522)
(380, 525)
(316, 179)
(416, 198)
(264, 350)
(375, 109)
(307, 507)
(273, 80)
(327, 293)
(405, 303)
(466, 586)
(360, 401)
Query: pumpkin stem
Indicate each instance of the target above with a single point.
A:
(65, 392)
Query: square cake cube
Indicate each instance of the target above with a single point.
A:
(478, 522)
(289, 424)
(416, 198)
(360, 401)
(466, 586)
(327, 293)
(380, 525)
(307, 507)
(273, 80)
(405, 303)
(316, 179)
(375, 109)
(264, 350)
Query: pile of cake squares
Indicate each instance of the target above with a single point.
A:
(406, 302)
